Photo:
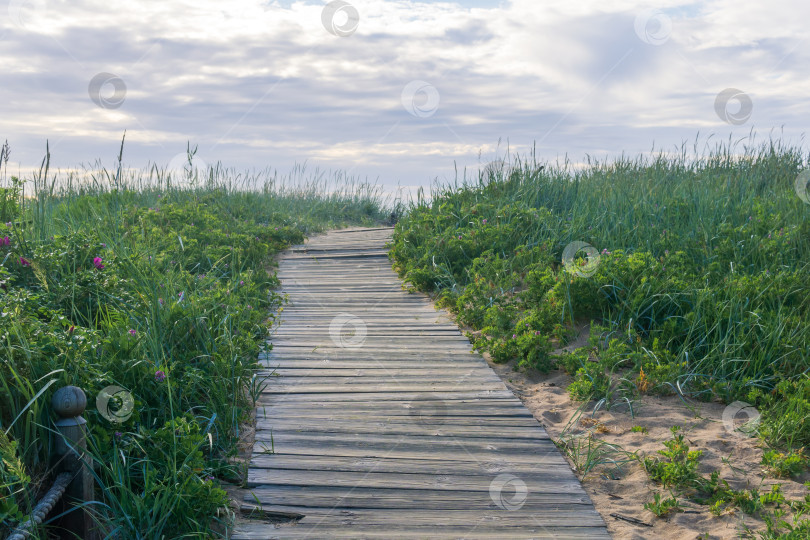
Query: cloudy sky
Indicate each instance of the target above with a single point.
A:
(395, 91)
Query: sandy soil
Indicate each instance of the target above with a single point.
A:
(736, 457)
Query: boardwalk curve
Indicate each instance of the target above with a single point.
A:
(382, 423)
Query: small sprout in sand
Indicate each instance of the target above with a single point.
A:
(662, 508)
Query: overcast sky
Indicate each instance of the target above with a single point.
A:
(391, 90)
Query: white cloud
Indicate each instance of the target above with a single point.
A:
(256, 83)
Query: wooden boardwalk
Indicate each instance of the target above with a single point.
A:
(382, 423)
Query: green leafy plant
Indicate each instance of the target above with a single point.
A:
(663, 507)
(782, 464)
(679, 465)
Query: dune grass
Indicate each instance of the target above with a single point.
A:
(694, 271)
(160, 284)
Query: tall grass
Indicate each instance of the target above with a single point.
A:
(159, 282)
(702, 273)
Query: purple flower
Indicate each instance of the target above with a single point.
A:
(5, 241)
(160, 301)
(132, 332)
(97, 263)
(8, 224)
(537, 332)
(484, 221)
(459, 237)
(241, 283)
(514, 336)
(118, 435)
(24, 261)
(160, 376)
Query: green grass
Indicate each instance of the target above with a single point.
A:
(700, 287)
(162, 286)
(588, 453)
(677, 469)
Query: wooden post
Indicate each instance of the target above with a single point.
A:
(69, 403)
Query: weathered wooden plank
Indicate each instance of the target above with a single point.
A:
(516, 428)
(402, 433)
(429, 424)
(541, 481)
(401, 465)
(391, 407)
(303, 328)
(308, 363)
(481, 415)
(394, 451)
(411, 342)
(391, 498)
(311, 378)
(380, 350)
(309, 324)
(376, 372)
(588, 517)
(413, 441)
(471, 531)
(327, 388)
(270, 396)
